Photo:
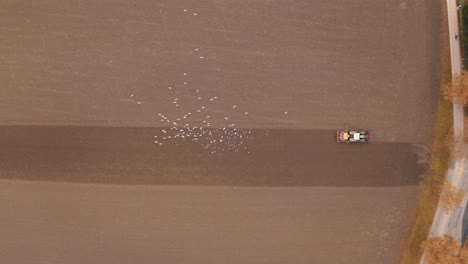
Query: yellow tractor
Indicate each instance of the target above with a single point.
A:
(354, 136)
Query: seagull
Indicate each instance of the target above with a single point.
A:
(246, 113)
(285, 113)
(170, 88)
(234, 106)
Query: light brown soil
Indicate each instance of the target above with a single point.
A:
(73, 223)
(368, 64)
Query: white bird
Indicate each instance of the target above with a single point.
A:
(164, 131)
(226, 118)
(234, 106)
(170, 88)
(285, 113)
(246, 113)
(185, 73)
(139, 103)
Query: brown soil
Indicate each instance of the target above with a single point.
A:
(368, 64)
(74, 223)
(271, 158)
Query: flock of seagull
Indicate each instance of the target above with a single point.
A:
(214, 139)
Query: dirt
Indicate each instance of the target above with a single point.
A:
(367, 64)
(83, 82)
(75, 223)
(266, 158)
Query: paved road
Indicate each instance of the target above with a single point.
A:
(453, 223)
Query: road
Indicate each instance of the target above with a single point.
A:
(453, 223)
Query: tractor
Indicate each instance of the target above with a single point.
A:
(354, 136)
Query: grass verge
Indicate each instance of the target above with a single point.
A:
(428, 197)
